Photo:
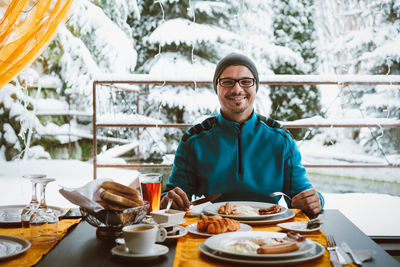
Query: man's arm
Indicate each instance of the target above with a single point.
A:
(305, 197)
(181, 181)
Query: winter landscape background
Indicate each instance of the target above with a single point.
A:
(46, 111)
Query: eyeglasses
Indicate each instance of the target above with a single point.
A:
(230, 83)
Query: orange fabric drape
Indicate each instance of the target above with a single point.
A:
(26, 29)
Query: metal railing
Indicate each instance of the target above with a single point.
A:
(340, 80)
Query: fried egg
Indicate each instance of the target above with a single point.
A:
(245, 210)
(244, 246)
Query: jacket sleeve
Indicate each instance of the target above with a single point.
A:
(295, 180)
(183, 170)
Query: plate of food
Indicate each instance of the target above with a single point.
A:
(261, 244)
(176, 232)
(284, 261)
(289, 214)
(300, 227)
(245, 210)
(214, 225)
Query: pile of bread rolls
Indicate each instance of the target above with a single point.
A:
(217, 225)
(116, 196)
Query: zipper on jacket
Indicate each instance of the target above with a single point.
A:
(240, 150)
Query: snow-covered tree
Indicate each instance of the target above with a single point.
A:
(293, 28)
(362, 37)
(95, 40)
(181, 39)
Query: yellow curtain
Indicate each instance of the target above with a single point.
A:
(26, 29)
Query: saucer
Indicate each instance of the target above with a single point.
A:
(122, 251)
(181, 231)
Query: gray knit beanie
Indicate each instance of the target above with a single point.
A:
(235, 59)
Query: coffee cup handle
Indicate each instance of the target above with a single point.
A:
(161, 235)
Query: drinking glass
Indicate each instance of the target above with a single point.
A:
(44, 221)
(26, 212)
(150, 185)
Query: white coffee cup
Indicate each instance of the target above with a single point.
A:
(140, 238)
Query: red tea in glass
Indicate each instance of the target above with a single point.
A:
(150, 185)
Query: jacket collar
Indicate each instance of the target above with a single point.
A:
(233, 124)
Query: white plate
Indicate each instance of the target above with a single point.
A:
(317, 252)
(193, 229)
(182, 231)
(273, 220)
(11, 215)
(121, 251)
(11, 246)
(300, 227)
(171, 224)
(219, 243)
(213, 210)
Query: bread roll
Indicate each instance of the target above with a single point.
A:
(108, 196)
(110, 185)
(110, 206)
(137, 199)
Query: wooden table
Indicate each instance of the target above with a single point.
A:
(81, 247)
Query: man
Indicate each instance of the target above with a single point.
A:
(239, 153)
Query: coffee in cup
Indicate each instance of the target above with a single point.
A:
(140, 238)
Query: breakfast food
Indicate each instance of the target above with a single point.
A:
(271, 210)
(217, 225)
(116, 196)
(266, 245)
(226, 209)
(279, 248)
(229, 209)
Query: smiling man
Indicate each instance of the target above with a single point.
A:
(239, 153)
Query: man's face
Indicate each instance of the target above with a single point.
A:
(236, 102)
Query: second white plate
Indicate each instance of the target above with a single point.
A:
(300, 227)
(221, 242)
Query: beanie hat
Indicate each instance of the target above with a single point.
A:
(235, 59)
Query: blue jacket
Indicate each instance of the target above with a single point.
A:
(244, 162)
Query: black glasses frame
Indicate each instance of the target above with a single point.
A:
(239, 81)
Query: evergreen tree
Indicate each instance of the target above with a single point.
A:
(378, 54)
(180, 39)
(293, 28)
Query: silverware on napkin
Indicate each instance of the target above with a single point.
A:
(348, 250)
(335, 257)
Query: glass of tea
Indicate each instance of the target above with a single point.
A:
(150, 185)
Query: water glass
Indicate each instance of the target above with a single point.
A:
(27, 211)
(150, 185)
(44, 221)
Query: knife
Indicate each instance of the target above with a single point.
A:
(347, 249)
(205, 199)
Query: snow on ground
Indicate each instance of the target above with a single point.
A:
(68, 173)
(374, 214)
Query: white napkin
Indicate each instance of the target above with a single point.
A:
(196, 211)
(363, 255)
(85, 196)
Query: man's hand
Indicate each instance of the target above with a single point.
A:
(308, 201)
(180, 200)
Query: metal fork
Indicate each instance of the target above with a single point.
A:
(274, 194)
(333, 249)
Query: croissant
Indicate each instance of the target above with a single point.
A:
(205, 221)
(217, 225)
